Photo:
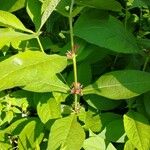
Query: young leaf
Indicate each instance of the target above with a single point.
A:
(104, 31)
(120, 84)
(47, 8)
(9, 35)
(31, 135)
(9, 20)
(101, 4)
(94, 143)
(33, 70)
(137, 129)
(66, 133)
(48, 105)
(129, 146)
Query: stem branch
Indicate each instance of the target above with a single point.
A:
(41, 47)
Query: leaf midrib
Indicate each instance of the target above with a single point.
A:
(25, 67)
(112, 85)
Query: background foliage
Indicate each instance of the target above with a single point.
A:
(37, 107)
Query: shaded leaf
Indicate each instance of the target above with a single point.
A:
(11, 5)
(114, 131)
(104, 31)
(34, 11)
(101, 103)
(101, 4)
(120, 84)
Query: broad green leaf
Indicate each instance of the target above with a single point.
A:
(34, 11)
(48, 7)
(11, 5)
(114, 133)
(129, 146)
(60, 97)
(48, 105)
(101, 103)
(9, 20)
(31, 135)
(66, 133)
(101, 4)
(94, 143)
(33, 71)
(92, 121)
(120, 84)
(137, 129)
(9, 35)
(110, 147)
(104, 31)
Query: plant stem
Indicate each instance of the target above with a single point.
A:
(126, 17)
(145, 63)
(74, 56)
(41, 47)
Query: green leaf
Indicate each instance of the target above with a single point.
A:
(120, 84)
(92, 121)
(11, 5)
(129, 146)
(101, 103)
(110, 147)
(31, 135)
(48, 7)
(101, 4)
(9, 35)
(137, 129)
(104, 31)
(114, 133)
(48, 105)
(9, 20)
(66, 133)
(63, 8)
(94, 143)
(33, 71)
(34, 11)
(147, 103)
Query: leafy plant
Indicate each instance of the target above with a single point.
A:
(74, 74)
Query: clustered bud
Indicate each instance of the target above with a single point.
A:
(77, 88)
(70, 54)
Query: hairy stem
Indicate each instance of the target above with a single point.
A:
(72, 47)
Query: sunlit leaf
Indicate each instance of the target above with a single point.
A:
(66, 133)
(137, 129)
(120, 84)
